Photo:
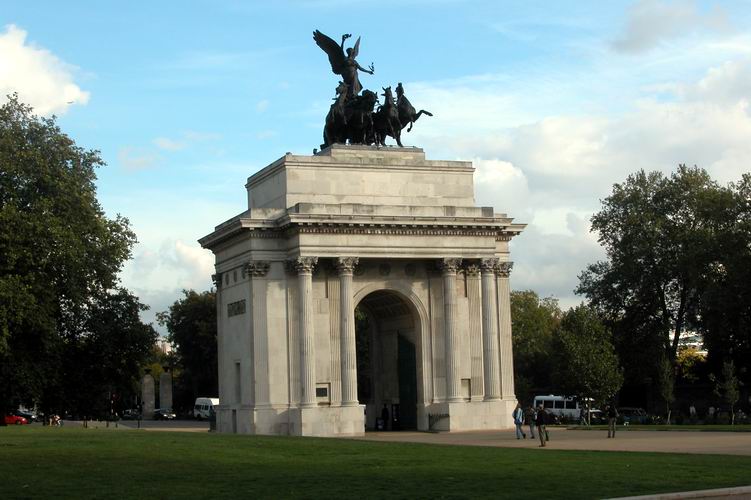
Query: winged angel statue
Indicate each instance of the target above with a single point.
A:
(343, 64)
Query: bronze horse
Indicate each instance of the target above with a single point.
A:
(386, 120)
(335, 130)
(407, 113)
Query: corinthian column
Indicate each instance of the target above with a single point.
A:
(348, 352)
(490, 352)
(453, 388)
(304, 267)
(503, 271)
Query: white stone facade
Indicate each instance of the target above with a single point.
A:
(394, 233)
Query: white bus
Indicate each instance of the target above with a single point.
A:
(559, 405)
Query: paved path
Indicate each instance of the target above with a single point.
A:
(722, 443)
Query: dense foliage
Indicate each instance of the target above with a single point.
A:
(68, 334)
(585, 363)
(533, 322)
(191, 323)
(678, 260)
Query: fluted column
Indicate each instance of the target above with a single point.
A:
(491, 354)
(503, 271)
(449, 268)
(304, 267)
(254, 379)
(348, 350)
(474, 303)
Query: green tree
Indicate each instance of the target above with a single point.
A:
(667, 386)
(728, 387)
(661, 236)
(585, 363)
(533, 320)
(191, 323)
(725, 318)
(59, 253)
(101, 367)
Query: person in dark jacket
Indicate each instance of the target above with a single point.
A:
(541, 418)
(612, 414)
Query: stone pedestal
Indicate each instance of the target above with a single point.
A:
(393, 233)
(147, 397)
(165, 389)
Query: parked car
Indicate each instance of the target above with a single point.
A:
(631, 415)
(11, 419)
(133, 414)
(31, 417)
(164, 414)
(597, 417)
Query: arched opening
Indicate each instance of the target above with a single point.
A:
(386, 329)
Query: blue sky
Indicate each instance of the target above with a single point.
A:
(553, 101)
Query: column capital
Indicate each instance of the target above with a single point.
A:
(257, 268)
(449, 265)
(304, 264)
(217, 280)
(472, 269)
(504, 269)
(346, 265)
(489, 265)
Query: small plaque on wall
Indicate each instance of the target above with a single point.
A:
(235, 308)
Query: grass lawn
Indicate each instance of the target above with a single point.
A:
(43, 462)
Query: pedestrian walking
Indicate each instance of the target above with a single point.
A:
(540, 420)
(529, 418)
(612, 414)
(519, 421)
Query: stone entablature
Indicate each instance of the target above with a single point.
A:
(287, 364)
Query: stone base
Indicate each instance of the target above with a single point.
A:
(467, 416)
(284, 421)
(331, 421)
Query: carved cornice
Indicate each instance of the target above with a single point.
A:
(217, 279)
(397, 231)
(504, 269)
(257, 268)
(449, 265)
(304, 264)
(346, 265)
(489, 265)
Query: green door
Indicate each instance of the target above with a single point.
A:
(407, 384)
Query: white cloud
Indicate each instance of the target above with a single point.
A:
(39, 77)
(159, 272)
(132, 158)
(262, 105)
(552, 171)
(652, 22)
(168, 144)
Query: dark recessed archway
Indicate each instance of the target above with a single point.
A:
(386, 359)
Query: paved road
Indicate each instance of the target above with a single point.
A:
(724, 443)
(149, 425)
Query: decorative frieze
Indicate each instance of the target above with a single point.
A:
(236, 308)
(257, 268)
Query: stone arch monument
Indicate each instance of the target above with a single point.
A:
(399, 238)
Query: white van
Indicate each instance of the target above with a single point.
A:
(559, 405)
(204, 407)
